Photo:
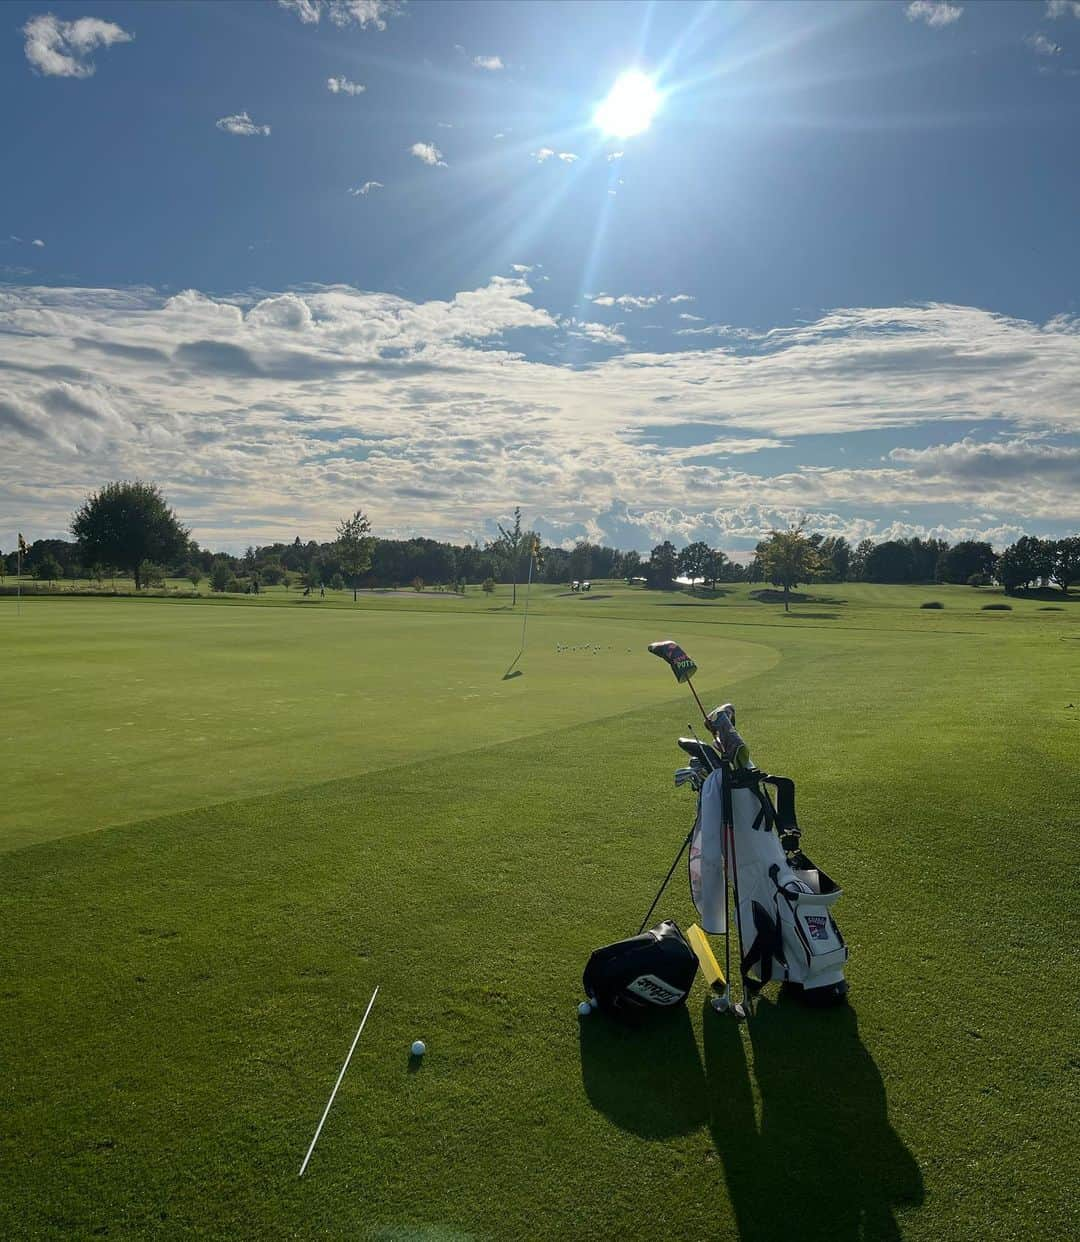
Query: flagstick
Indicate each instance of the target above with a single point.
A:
(340, 1076)
(18, 583)
(528, 592)
(524, 624)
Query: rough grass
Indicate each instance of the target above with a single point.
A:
(179, 992)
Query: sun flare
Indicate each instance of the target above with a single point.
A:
(630, 106)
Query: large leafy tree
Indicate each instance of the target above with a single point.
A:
(889, 561)
(788, 558)
(125, 524)
(693, 562)
(353, 548)
(1066, 562)
(662, 565)
(717, 567)
(1026, 561)
(835, 557)
(967, 559)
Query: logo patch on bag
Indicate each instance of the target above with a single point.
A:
(655, 990)
(817, 926)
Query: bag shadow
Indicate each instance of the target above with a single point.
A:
(822, 1160)
(647, 1079)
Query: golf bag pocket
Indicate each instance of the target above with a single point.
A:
(813, 947)
(652, 971)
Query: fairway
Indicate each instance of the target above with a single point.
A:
(224, 824)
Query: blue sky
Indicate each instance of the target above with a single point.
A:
(299, 258)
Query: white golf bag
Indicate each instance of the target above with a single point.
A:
(783, 903)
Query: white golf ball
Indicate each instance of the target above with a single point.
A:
(584, 1009)
(419, 1048)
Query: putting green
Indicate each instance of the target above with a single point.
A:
(120, 710)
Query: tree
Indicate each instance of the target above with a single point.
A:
(1066, 562)
(888, 562)
(788, 558)
(194, 575)
(717, 567)
(353, 548)
(835, 554)
(125, 524)
(151, 574)
(631, 565)
(970, 556)
(857, 565)
(48, 568)
(509, 545)
(693, 561)
(220, 573)
(580, 563)
(1026, 561)
(663, 562)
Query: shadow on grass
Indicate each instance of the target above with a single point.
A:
(768, 596)
(647, 1079)
(823, 1162)
(802, 614)
(1051, 595)
(709, 592)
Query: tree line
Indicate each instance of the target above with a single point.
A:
(128, 528)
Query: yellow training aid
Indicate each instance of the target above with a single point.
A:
(710, 967)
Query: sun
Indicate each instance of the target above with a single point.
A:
(629, 107)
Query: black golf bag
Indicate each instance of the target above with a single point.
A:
(631, 977)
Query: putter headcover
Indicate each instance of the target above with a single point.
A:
(672, 654)
(721, 722)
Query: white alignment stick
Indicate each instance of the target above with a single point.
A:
(340, 1076)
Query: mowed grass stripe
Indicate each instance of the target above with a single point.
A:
(184, 988)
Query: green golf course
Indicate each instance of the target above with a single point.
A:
(224, 821)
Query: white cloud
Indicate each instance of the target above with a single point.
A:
(1023, 462)
(62, 49)
(366, 188)
(568, 157)
(615, 155)
(1063, 8)
(262, 416)
(1041, 45)
(492, 63)
(545, 153)
(522, 269)
(37, 242)
(690, 318)
(682, 297)
(344, 12)
(241, 125)
(934, 12)
(428, 153)
(602, 333)
(627, 301)
(342, 86)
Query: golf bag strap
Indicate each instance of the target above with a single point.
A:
(767, 945)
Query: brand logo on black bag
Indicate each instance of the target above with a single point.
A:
(655, 990)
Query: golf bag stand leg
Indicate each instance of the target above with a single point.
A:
(667, 881)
